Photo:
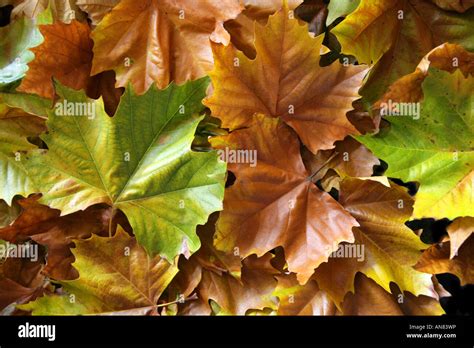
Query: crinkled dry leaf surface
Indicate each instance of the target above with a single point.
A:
(236, 157)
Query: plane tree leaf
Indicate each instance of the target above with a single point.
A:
(138, 161)
(285, 80)
(117, 276)
(160, 41)
(21, 281)
(446, 57)
(15, 128)
(61, 10)
(436, 260)
(340, 8)
(459, 231)
(235, 297)
(434, 148)
(384, 249)
(96, 9)
(65, 54)
(297, 299)
(221, 293)
(370, 298)
(210, 274)
(396, 34)
(274, 203)
(255, 13)
(16, 41)
(336, 139)
(45, 226)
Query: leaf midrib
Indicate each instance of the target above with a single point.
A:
(150, 146)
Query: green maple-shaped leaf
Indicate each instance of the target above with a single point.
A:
(15, 41)
(116, 276)
(437, 150)
(15, 128)
(340, 8)
(138, 161)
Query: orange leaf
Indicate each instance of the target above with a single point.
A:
(153, 41)
(285, 80)
(275, 204)
(65, 54)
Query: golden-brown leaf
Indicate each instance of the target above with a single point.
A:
(62, 10)
(285, 80)
(348, 158)
(371, 299)
(459, 231)
(273, 203)
(235, 297)
(117, 276)
(96, 9)
(158, 42)
(255, 13)
(436, 260)
(296, 299)
(385, 249)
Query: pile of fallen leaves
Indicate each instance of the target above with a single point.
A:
(117, 119)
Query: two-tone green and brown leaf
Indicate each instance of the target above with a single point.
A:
(16, 128)
(446, 57)
(116, 276)
(396, 34)
(388, 249)
(434, 146)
